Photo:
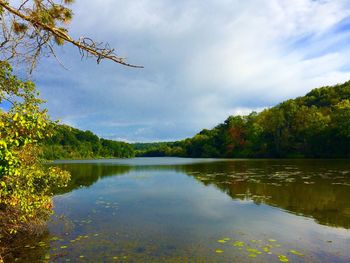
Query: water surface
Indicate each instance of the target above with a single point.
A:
(198, 210)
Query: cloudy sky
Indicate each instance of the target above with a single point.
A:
(204, 61)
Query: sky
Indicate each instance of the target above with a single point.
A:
(204, 61)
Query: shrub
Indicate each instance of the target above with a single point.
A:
(25, 182)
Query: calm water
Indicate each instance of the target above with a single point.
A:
(192, 210)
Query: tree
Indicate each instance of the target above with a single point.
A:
(316, 125)
(34, 27)
(341, 118)
(340, 128)
(235, 135)
(30, 30)
(25, 184)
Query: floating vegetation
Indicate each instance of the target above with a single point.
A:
(275, 184)
(308, 182)
(296, 252)
(283, 258)
(238, 244)
(204, 179)
(255, 248)
(254, 251)
(42, 244)
(266, 250)
(290, 180)
(114, 206)
(219, 251)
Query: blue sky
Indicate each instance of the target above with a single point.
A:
(204, 61)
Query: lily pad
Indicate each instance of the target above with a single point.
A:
(283, 258)
(296, 252)
(238, 244)
(254, 251)
(266, 249)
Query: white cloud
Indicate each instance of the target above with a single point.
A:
(204, 60)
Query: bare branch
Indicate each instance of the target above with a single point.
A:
(86, 46)
(54, 54)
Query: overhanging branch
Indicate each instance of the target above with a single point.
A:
(86, 46)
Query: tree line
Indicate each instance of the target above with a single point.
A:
(316, 125)
(70, 143)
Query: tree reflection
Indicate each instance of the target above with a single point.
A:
(317, 189)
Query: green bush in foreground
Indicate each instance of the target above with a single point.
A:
(25, 183)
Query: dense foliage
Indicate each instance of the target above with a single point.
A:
(71, 143)
(159, 149)
(25, 184)
(314, 126)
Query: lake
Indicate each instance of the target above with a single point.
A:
(198, 210)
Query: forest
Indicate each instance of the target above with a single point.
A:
(70, 143)
(316, 125)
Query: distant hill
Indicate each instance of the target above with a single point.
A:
(316, 125)
(71, 143)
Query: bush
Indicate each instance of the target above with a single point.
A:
(25, 182)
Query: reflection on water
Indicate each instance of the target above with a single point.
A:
(85, 175)
(185, 210)
(318, 189)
